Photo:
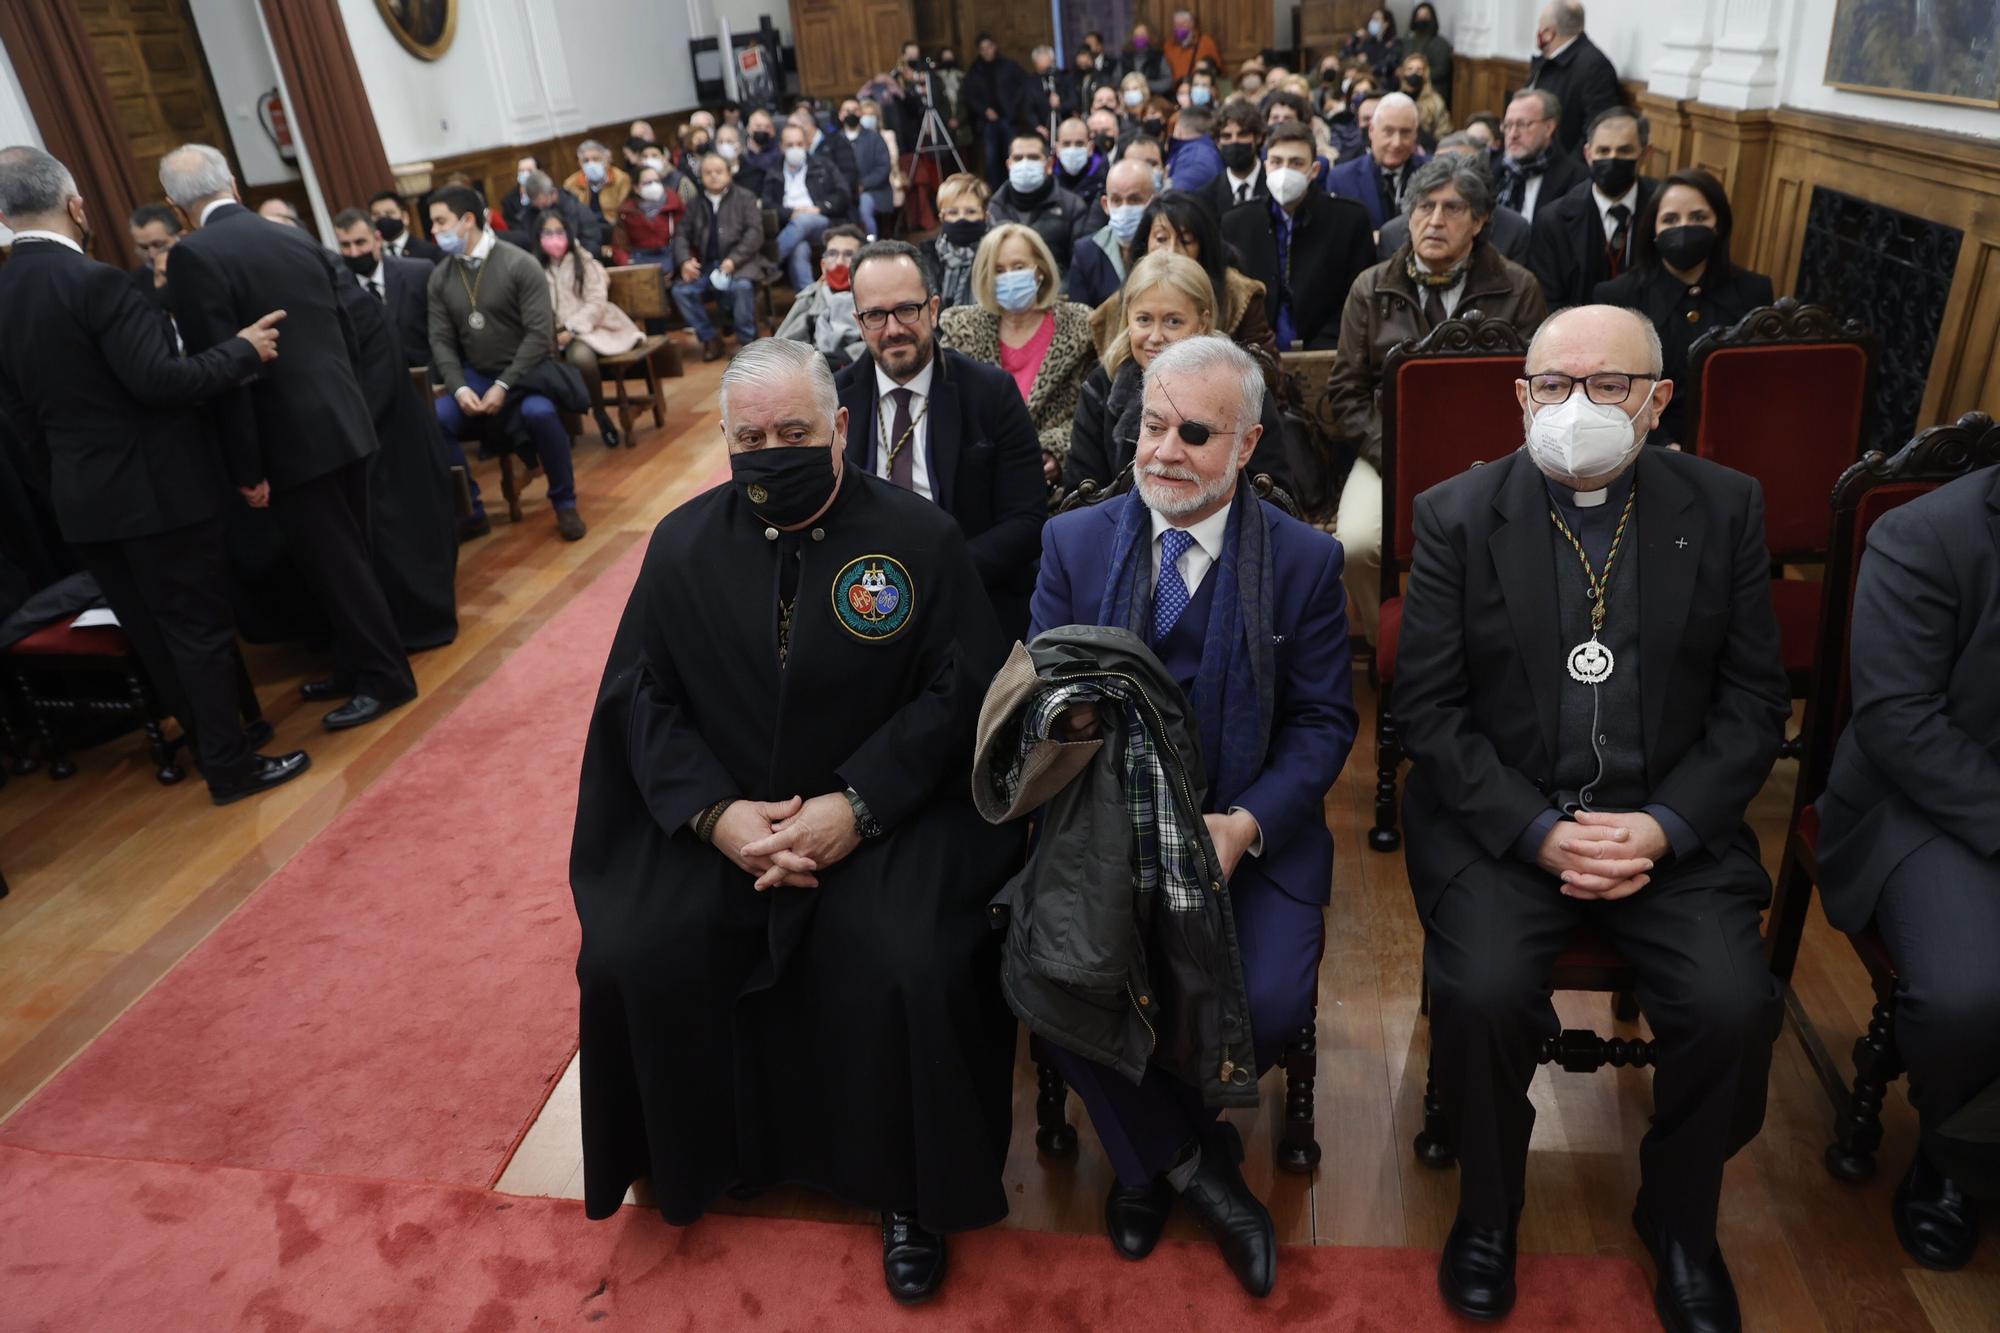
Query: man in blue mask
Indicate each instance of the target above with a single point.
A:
(787, 974)
(1031, 196)
(1098, 268)
(601, 186)
(1589, 686)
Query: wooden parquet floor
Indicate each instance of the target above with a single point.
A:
(115, 879)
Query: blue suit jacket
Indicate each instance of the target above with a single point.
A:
(1092, 279)
(1356, 179)
(1312, 721)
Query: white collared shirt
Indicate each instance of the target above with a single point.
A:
(213, 204)
(1207, 548)
(1236, 184)
(1452, 295)
(373, 283)
(796, 193)
(484, 247)
(1605, 203)
(920, 436)
(56, 236)
(1530, 193)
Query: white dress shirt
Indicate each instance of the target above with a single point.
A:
(56, 236)
(1239, 184)
(1531, 192)
(213, 204)
(796, 193)
(920, 437)
(1605, 203)
(483, 248)
(373, 282)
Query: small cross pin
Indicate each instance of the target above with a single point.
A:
(1681, 542)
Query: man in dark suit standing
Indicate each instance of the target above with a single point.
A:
(1910, 819)
(939, 423)
(1591, 692)
(399, 284)
(306, 417)
(1244, 607)
(996, 96)
(1570, 66)
(105, 405)
(1586, 237)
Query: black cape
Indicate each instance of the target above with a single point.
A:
(851, 1037)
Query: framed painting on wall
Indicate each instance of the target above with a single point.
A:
(424, 27)
(1937, 50)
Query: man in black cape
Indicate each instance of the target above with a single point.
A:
(787, 973)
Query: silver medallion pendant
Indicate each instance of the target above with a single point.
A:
(1590, 663)
(476, 320)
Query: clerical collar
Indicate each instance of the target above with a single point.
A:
(1614, 494)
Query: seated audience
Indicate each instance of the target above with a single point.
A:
(517, 206)
(1683, 280)
(1425, 40)
(1239, 138)
(638, 138)
(1032, 197)
(1909, 842)
(808, 194)
(1543, 801)
(1080, 168)
(600, 186)
(875, 198)
(1271, 725)
(1483, 128)
(962, 224)
(764, 152)
(1433, 116)
(1107, 98)
(587, 324)
(1137, 149)
(1570, 67)
(823, 314)
(1168, 297)
(547, 198)
(719, 252)
(648, 219)
(1250, 76)
(1509, 232)
(1534, 169)
(1143, 58)
(1378, 179)
(1305, 246)
(492, 336)
(1103, 124)
(401, 285)
(1180, 222)
(1376, 43)
(695, 141)
(1020, 323)
(1450, 268)
(1133, 94)
(394, 228)
(1098, 266)
(1585, 237)
(1280, 108)
(1347, 119)
(1192, 158)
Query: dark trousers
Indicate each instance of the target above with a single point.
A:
(171, 594)
(1144, 1126)
(1939, 914)
(539, 417)
(1691, 936)
(996, 136)
(326, 529)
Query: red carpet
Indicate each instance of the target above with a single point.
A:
(103, 1244)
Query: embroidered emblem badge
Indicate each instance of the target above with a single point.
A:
(873, 597)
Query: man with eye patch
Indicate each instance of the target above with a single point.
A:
(1244, 607)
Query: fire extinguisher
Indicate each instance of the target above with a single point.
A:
(271, 115)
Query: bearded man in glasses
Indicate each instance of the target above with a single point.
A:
(936, 422)
(1244, 608)
(1590, 688)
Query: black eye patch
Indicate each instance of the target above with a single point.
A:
(1193, 433)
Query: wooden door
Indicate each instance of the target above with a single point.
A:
(151, 56)
(841, 44)
(1018, 27)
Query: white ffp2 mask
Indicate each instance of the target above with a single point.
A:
(1585, 440)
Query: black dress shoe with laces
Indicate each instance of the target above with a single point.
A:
(319, 691)
(913, 1259)
(1476, 1271)
(1938, 1225)
(1690, 1296)
(1134, 1216)
(266, 771)
(1235, 1217)
(360, 710)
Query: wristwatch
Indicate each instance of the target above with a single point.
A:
(864, 822)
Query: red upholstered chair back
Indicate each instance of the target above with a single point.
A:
(1783, 397)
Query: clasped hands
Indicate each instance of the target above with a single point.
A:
(785, 842)
(481, 405)
(1603, 856)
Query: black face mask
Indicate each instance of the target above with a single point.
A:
(1423, 27)
(1614, 175)
(1413, 84)
(363, 265)
(965, 231)
(792, 481)
(388, 228)
(762, 138)
(1685, 247)
(1105, 142)
(1153, 126)
(1239, 157)
(1330, 74)
(850, 122)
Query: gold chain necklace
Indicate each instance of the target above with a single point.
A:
(1590, 663)
(882, 429)
(476, 320)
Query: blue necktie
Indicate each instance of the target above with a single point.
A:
(1170, 591)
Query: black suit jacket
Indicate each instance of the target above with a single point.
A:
(838, 153)
(305, 415)
(985, 464)
(1481, 653)
(1582, 78)
(406, 284)
(1567, 250)
(1221, 195)
(1920, 758)
(91, 383)
(1564, 172)
(416, 247)
(1332, 245)
(824, 183)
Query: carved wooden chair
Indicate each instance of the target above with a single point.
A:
(636, 289)
(102, 653)
(1298, 1149)
(511, 479)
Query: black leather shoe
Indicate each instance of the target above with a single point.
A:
(570, 524)
(606, 431)
(477, 526)
(360, 710)
(1476, 1271)
(1938, 1225)
(1134, 1217)
(257, 734)
(1690, 1296)
(913, 1259)
(319, 691)
(266, 771)
(1235, 1217)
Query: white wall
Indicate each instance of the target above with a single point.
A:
(17, 123)
(239, 60)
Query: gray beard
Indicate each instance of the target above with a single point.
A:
(1170, 506)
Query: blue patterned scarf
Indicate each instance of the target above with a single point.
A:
(1235, 685)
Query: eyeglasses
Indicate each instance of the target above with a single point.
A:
(1607, 388)
(907, 314)
(1193, 433)
(1450, 208)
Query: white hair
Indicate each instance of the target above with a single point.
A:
(1396, 101)
(1567, 17)
(1212, 354)
(194, 172)
(33, 184)
(780, 359)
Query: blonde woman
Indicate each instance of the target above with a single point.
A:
(1433, 117)
(1167, 297)
(1021, 324)
(962, 223)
